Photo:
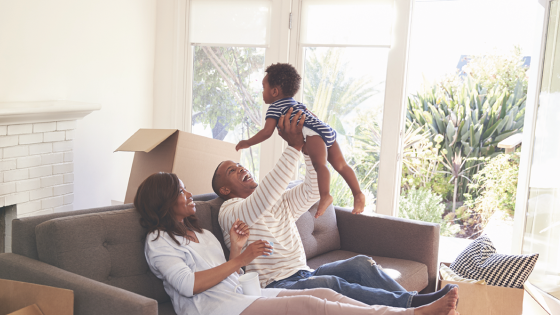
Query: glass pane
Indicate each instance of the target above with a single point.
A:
(227, 96)
(345, 88)
(227, 22)
(459, 75)
(542, 230)
(346, 22)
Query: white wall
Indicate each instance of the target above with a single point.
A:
(98, 51)
(165, 54)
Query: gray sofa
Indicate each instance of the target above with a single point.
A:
(98, 253)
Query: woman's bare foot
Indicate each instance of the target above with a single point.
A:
(324, 203)
(444, 306)
(359, 203)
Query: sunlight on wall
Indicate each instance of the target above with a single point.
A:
(90, 51)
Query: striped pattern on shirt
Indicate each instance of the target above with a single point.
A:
(271, 213)
(281, 107)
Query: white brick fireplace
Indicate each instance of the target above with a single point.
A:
(37, 170)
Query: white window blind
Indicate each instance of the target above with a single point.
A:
(230, 22)
(346, 23)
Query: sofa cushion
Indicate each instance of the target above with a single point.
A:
(319, 235)
(23, 229)
(413, 276)
(209, 211)
(203, 214)
(107, 247)
(166, 309)
(205, 197)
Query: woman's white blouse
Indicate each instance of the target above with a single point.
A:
(176, 265)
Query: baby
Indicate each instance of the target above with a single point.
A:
(279, 86)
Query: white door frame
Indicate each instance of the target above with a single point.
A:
(549, 303)
(529, 126)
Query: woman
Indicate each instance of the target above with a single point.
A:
(195, 274)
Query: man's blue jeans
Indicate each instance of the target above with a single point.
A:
(359, 278)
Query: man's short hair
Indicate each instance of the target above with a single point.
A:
(285, 76)
(215, 187)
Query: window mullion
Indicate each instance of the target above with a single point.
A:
(182, 70)
(393, 112)
(272, 149)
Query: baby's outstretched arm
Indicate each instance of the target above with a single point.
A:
(262, 135)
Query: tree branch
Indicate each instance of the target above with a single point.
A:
(221, 67)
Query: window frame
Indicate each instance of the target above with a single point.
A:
(529, 127)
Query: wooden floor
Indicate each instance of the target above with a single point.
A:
(531, 307)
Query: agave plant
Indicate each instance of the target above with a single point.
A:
(456, 168)
(472, 122)
(422, 165)
(413, 137)
(368, 140)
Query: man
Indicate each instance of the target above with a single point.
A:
(271, 213)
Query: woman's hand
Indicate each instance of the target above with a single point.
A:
(204, 280)
(239, 234)
(254, 250)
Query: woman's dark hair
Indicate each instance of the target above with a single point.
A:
(155, 199)
(285, 76)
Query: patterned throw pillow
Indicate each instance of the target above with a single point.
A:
(480, 261)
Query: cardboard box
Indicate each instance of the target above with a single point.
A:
(30, 310)
(482, 299)
(21, 298)
(192, 157)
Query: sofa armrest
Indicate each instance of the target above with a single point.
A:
(90, 296)
(386, 236)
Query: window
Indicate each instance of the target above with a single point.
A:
(344, 46)
(228, 44)
(452, 159)
(226, 96)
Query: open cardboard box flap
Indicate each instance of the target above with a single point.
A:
(145, 140)
(30, 310)
(192, 157)
(19, 297)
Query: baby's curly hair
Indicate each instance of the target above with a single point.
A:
(285, 76)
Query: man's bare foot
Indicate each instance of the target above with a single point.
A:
(324, 203)
(359, 203)
(444, 306)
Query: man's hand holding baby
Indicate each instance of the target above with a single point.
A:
(291, 130)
